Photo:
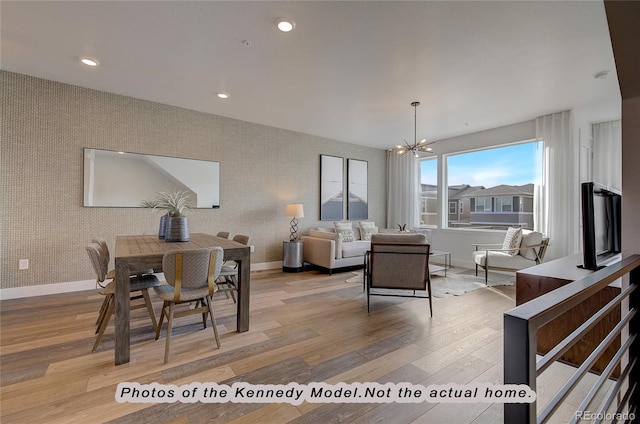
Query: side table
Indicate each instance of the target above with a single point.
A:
(292, 256)
(445, 266)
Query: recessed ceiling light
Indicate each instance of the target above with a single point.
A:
(285, 25)
(223, 95)
(89, 62)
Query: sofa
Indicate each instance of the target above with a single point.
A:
(340, 247)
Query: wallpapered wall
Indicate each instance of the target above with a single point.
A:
(46, 125)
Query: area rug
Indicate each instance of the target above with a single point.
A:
(455, 284)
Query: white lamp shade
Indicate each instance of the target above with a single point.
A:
(294, 210)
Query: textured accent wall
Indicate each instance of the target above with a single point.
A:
(46, 125)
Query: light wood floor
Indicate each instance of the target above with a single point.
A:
(304, 328)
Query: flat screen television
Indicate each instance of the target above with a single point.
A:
(601, 224)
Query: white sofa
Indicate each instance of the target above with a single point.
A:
(325, 248)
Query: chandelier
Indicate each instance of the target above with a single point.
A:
(418, 146)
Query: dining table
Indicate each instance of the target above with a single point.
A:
(137, 253)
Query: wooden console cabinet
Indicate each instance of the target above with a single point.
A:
(540, 279)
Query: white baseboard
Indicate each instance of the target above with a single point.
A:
(44, 289)
(73, 286)
(266, 265)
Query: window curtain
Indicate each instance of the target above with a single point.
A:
(402, 190)
(556, 198)
(607, 154)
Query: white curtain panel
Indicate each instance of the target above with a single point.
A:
(402, 190)
(607, 153)
(556, 199)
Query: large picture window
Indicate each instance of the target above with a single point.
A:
(491, 188)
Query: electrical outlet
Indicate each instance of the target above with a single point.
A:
(253, 248)
(23, 264)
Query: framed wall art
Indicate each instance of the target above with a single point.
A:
(357, 176)
(331, 188)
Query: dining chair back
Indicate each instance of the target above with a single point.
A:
(190, 275)
(223, 234)
(228, 279)
(242, 239)
(139, 289)
(99, 256)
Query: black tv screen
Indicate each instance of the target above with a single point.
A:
(601, 224)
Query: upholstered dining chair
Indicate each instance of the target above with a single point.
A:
(111, 274)
(228, 279)
(191, 276)
(397, 264)
(139, 289)
(223, 234)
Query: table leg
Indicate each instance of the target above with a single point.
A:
(122, 330)
(244, 275)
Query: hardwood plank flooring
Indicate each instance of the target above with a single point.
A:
(305, 327)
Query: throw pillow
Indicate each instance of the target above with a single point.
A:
(366, 229)
(346, 230)
(512, 241)
(530, 238)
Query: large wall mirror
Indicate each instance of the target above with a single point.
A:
(121, 179)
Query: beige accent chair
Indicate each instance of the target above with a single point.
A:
(228, 280)
(139, 287)
(398, 262)
(500, 257)
(191, 276)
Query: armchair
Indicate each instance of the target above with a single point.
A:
(515, 253)
(399, 262)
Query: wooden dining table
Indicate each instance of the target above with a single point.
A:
(142, 252)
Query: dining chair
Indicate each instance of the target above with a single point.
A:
(190, 275)
(139, 289)
(111, 274)
(223, 234)
(228, 280)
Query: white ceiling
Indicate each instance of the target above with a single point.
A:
(349, 71)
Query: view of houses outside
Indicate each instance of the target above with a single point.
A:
(491, 188)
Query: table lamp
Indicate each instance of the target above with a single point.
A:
(294, 211)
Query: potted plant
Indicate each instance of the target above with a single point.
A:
(173, 225)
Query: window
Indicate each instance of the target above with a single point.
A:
(494, 185)
(429, 192)
(483, 204)
(504, 204)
